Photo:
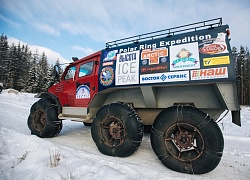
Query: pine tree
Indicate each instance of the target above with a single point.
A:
(242, 71)
(235, 56)
(50, 76)
(11, 66)
(27, 56)
(246, 77)
(18, 68)
(4, 59)
(32, 83)
(42, 73)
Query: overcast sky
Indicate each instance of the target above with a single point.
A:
(66, 28)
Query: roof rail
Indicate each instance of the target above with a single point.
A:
(212, 23)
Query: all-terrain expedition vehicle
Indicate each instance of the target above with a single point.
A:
(178, 81)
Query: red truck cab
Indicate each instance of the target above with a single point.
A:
(79, 82)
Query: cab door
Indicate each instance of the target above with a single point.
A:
(65, 89)
(86, 83)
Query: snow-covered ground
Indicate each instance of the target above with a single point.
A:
(27, 157)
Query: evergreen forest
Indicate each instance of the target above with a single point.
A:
(23, 70)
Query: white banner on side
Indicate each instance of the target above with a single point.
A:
(127, 68)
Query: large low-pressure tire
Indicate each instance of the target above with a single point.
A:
(43, 119)
(117, 130)
(187, 140)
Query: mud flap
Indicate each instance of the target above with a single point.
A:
(236, 117)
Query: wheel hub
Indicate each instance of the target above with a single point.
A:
(40, 119)
(184, 142)
(183, 139)
(115, 130)
(112, 131)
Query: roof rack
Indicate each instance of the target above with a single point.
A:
(212, 23)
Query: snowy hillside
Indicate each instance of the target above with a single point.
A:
(27, 157)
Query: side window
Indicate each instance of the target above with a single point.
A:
(86, 69)
(71, 73)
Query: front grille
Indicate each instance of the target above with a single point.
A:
(59, 88)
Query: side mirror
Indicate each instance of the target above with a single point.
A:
(56, 73)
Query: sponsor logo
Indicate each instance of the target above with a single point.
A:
(154, 61)
(157, 68)
(107, 76)
(213, 49)
(214, 45)
(153, 56)
(111, 55)
(164, 59)
(127, 68)
(165, 77)
(213, 73)
(144, 62)
(184, 56)
(216, 61)
(83, 92)
(108, 63)
(127, 57)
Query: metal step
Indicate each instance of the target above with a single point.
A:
(78, 118)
